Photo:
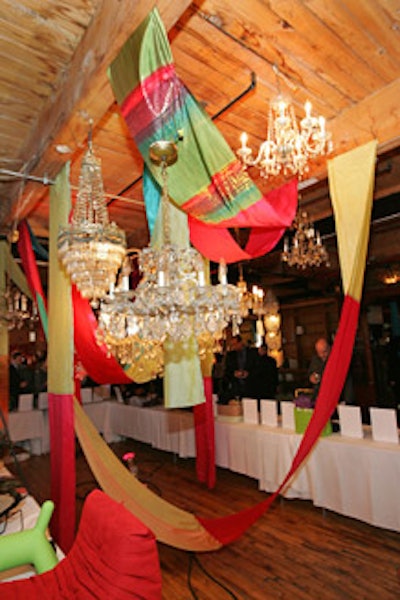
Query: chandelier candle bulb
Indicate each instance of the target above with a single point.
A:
(202, 279)
(285, 244)
(125, 283)
(161, 279)
(223, 279)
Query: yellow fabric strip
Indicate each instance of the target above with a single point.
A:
(60, 342)
(183, 381)
(170, 524)
(351, 184)
(16, 274)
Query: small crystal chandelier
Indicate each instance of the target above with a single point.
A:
(91, 248)
(306, 248)
(290, 145)
(15, 309)
(173, 301)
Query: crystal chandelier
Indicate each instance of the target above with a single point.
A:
(290, 145)
(306, 248)
(90, 248)
(15, 309)
(173, 301)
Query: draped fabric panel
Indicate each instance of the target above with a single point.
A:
(100, 367)
(25, 250)
(170, 524)
(227, 529)
(207, 182)
(60, 374)
(11, 267)
(205, 441)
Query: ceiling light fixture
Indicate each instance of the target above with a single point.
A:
(305, 249)
(173, 302)
(91, 248)
(290, 145)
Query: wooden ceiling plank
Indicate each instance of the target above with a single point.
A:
(85, 85)
(373, 17)
(233, 57)
(362, 42)
(376, 117)
(330, 55)
(49, 19)
(274, 27)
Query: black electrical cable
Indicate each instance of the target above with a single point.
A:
(193, 559)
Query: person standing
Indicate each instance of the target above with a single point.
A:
(16, 381)
(317, 365)
(264, 378)
(239, 365)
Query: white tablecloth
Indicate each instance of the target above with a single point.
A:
(356, 478)
(359, 479)
(29, 425)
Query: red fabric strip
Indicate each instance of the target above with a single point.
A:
(152, 91)
(100, 367)
(277, 209)
(62, 456)
(28, 261)
(228, 529)
(216, 243)
(205, 439)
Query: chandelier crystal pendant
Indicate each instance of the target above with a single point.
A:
(90, 248)
(290, 145)
(173, 301)
(305, 249)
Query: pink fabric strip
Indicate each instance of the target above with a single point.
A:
(62, 455)
(205, 439)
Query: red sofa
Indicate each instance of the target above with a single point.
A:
(114, 556)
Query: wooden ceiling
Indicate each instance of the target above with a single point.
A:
(344, 56)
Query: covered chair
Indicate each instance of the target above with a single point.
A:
(114, 556)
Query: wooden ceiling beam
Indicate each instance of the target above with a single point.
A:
(84, 91)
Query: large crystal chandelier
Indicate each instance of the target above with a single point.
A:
(290, 145)
(91, 248)
(174, 301)
(305, 249)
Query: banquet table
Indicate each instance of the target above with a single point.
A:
(359, 478)
(29, 426)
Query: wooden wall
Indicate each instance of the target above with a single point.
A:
(303, 323)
